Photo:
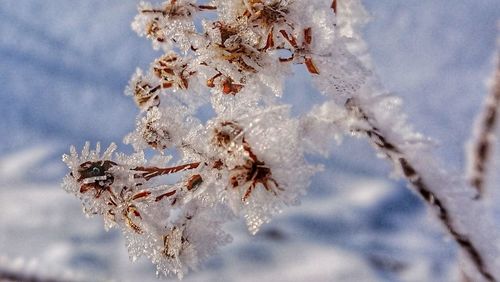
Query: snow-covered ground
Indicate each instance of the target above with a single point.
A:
(64, 65)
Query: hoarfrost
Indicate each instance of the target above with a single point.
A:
(248, 160)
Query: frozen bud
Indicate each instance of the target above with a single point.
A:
(168, 24)
(162, 128)
(173, 243)
(92, 177)
(145, 90)
(220, 32)
(90, 170)
(246, 170)
(156, 136)
(267, 13)
(154, 132)
(231, 88)
(145, 95)
(95, 176)
(252, 174)
(233, 53)
(226, 84)
(194, 182)
(301, 53)
(247, 161)
(172, 71)
(226, 134)
(171, 9)
(189, 240)
(154, 30)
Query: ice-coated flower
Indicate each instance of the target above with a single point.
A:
(189, 240)
(172, 71)
(261, 173)
(97, 180)
(210, 105)
(145, 90)
(151, 131)
(227, 138)
(168, 23)
(162, 128)
(96, 176)
(89, 170)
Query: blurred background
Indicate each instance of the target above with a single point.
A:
(64, 66)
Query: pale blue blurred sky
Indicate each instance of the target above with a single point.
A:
(64, 65)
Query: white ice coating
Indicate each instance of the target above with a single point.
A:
(248, 158)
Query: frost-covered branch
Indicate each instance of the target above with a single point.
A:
(422, 186)
(13, 276)
(378, 119)
(481, 145)
(19, 270)
(357, 108)
(248, 159)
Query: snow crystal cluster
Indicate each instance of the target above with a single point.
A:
(248, 159)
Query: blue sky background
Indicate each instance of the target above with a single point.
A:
(64, 66)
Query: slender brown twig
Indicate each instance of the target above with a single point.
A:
(415, 178)
(482, 142)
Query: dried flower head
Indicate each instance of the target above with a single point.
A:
(246, 160)
(144, 89)
(301, 54)
(172, 71)
(89, 170)
(227, 134)
(96, 176)
(252, 174)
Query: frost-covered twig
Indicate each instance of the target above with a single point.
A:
(481, 145)
(356, 107)
(421, 185)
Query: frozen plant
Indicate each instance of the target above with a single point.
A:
(248, 159)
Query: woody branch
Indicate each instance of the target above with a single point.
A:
(421, 185)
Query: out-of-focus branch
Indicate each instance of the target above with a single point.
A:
(481, 144)
(19, 276)
(421, 185)
(14, 270)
